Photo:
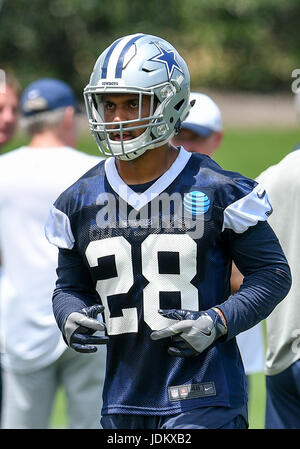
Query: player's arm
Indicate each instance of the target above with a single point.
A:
(259, 257)
(257, 254)
(256, 251)
(75, 303)
(267, 280)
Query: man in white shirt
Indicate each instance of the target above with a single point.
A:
(202, 132)
(282, 364)
(282, 367)
(9, 98)
(35, 359)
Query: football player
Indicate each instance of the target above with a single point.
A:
(147, 238)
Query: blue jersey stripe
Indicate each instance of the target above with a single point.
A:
(108, 54)
(119, 66)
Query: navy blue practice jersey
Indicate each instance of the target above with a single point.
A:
(170, 247)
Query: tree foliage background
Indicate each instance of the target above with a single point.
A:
(250, 45)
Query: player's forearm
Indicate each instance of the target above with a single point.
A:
(259, 295)
(74, 288)
(66, 302)
(267, 278)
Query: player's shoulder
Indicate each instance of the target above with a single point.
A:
(242, 200)
(83, 191)
(228, 186)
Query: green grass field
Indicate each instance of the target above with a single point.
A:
(248, 152)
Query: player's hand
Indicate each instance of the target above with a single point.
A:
(80, 327)
(193, 333)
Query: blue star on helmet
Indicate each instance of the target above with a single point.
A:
(168, 58)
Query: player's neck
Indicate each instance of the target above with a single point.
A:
(150, 165)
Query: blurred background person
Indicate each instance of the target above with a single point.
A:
(202, 132)
(9, 99)
(296, 103)
(282, 366)
(36, 360)
(9, 92)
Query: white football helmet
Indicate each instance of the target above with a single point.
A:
(145, 65)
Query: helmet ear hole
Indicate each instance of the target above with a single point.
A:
(178, 105)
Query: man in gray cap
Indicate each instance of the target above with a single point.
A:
(36, 360)
(202, 130)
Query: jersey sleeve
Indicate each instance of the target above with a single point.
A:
(256, 251)
(246, 204)
(267, 279)
(74, 287)
(58, 229)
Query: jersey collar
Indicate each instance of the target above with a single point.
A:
(139, 200)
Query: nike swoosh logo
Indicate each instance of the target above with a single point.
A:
(268, 213)
(207, 333)
(261, 195)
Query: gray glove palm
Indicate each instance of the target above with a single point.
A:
(80, 327)
(194, 332)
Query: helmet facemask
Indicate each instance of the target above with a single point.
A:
(104, 131)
